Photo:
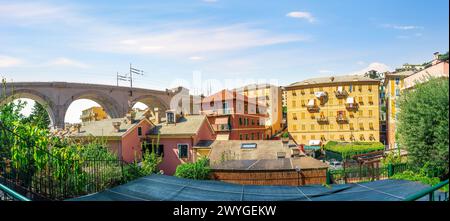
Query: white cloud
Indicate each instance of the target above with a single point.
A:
(196, 58)
(301, 15)
(402, 27)
(30, 13)
(188, 40)
(377, 66)
(7, 61)
(62, 61)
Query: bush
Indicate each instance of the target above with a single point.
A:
(422, 176)
(197, 171)
(423, 125)
(285, 135)
(347, 150)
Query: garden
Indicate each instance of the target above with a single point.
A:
(346, 150)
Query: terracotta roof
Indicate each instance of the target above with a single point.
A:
(400, 73)
(332, 80)
(229, 95)
(186, 125)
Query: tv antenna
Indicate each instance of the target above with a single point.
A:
(129, 76)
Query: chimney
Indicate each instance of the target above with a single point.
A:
(131, 116)
(116, 126)
(436, 55)
(156, 111)
(331, 78)
(78, 127)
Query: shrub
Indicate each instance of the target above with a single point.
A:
(285, 135)
(197, 171)
(422, 176)
(347, 150)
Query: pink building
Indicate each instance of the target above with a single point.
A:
(124, 136)
(438, 68)
(178, 136)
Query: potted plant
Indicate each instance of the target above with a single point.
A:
(285, 137)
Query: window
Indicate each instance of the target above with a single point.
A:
(313, 137)
(253, 122)
(294, 127)
(341, 126)
(240, 136)
(303, 116)
(240, 121)
(253, 136)
(303, 127)
(246, 136)
(361, 126)
(371, 125)
(321, 127)
(350, 88)
(341, 101)
(311, 90)
(370, 100)
(146, 146)
(303, 137)
(397, 81)
(294, 93)
(360, 113)
(360, 88)
(248, 146)
(302, 103)
(370, 113)
(360, 100)
(331, 127)
(351, 126)
(312, 127)
(170, 117)
(361, 137)
(294, 104)
(397, 92)
(139, 131)
(302, 91)
(294, 116)
(183, 151)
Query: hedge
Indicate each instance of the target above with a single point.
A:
(347, 150)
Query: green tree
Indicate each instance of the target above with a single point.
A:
(423, 126)
(39, 116)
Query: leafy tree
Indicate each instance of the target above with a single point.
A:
(39, 116)
(423, 126)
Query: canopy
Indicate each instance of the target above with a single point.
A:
(311, 102)
(339, 89)
(350, 100)
(320, 94)
(168, 188)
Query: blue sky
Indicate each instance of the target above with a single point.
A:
(286, 41)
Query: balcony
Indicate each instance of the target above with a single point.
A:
(341, 93)
(341, 119)
(312, 106)
(351, 107)
(322, 120)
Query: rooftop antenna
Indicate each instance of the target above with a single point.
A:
(129, 77)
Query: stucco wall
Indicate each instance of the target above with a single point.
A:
(171, 160)
(131, 143)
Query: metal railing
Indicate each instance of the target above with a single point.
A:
(431, 193)
(363, 173)
(43, 176)
(7, 194)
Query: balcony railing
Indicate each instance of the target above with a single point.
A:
(312, 108)
(342, 119)
(351, 106)
(341, 94)
(322, 120)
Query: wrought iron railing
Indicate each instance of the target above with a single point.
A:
(363, 173)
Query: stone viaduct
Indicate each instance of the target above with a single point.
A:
(56, 97)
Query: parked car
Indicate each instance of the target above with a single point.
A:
(335, 165)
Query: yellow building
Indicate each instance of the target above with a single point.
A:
(93, 114)
(271, 95)
(339, 108)
(393, 84)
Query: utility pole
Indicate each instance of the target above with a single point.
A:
(130, 76)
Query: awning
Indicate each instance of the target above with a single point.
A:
(320, 94)
(350, 100)
(311, 102)
(221, 120)
(339, 89)
(315, 142)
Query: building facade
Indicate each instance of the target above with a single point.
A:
(393, 83)
(340, 108)
(235, 117)
(271, 96)
(93, 114)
